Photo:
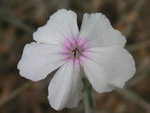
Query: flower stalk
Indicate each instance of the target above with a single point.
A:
(89, 104)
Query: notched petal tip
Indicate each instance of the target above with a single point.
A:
(97, 28)
(59, 107)
(54, 106)
(38, 60)
(65, 88)
(64, 10)
(113, 66)
(61, 25)
(28, 76)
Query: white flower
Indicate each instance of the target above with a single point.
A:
(97, 48)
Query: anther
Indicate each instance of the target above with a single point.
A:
(75, 51)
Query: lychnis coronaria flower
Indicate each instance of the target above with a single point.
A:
(97, 49)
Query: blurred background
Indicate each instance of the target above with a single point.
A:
(20, 18)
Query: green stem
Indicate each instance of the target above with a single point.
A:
(87, 98)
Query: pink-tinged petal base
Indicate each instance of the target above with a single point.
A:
(75, 49)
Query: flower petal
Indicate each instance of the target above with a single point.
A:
(97, 28)
(62, 24)
(65, 87)
(108, 66)
(38, 60)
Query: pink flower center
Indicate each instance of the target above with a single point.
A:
(75, 48)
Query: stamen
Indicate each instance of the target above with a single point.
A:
(75, 51)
